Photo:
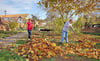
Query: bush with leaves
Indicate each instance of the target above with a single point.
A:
(58, 24)
(13, 25)
(78, 25)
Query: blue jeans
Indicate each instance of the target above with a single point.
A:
(29, 33)
(63, 35)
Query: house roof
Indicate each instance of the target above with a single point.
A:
(15, 15)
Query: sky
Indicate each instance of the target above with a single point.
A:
(22, 7)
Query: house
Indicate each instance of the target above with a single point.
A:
(13, 16)
(5, 19)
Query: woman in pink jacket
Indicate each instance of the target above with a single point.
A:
(29, 28)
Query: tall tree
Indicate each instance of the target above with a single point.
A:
(71, 7)
(65, 9)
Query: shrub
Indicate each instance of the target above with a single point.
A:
(13, 25)
(78, 25)
(58, 24)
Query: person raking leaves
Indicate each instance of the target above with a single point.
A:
(66, 27)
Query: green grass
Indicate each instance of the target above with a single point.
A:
(8, 32)
(21, 42)
(97, 37)
(4, 34)
(97, 45)
(98, 34)
(82, 57)
(9, 56)
(22, 30)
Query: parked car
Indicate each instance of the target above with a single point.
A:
(96, 25)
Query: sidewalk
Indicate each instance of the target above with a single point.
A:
(9, 40)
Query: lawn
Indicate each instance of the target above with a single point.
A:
(98, 34)
(4, 34)
(6, 55)
(10, 54)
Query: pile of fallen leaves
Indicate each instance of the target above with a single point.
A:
(85, 48)
(39, 48)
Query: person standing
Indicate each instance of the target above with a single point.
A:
(66, 27)
(29, 28)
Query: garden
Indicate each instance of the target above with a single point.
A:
(45, 43)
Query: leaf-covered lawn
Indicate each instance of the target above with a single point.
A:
(45, 49)
(40, 48)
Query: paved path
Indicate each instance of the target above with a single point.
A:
(11, 39)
